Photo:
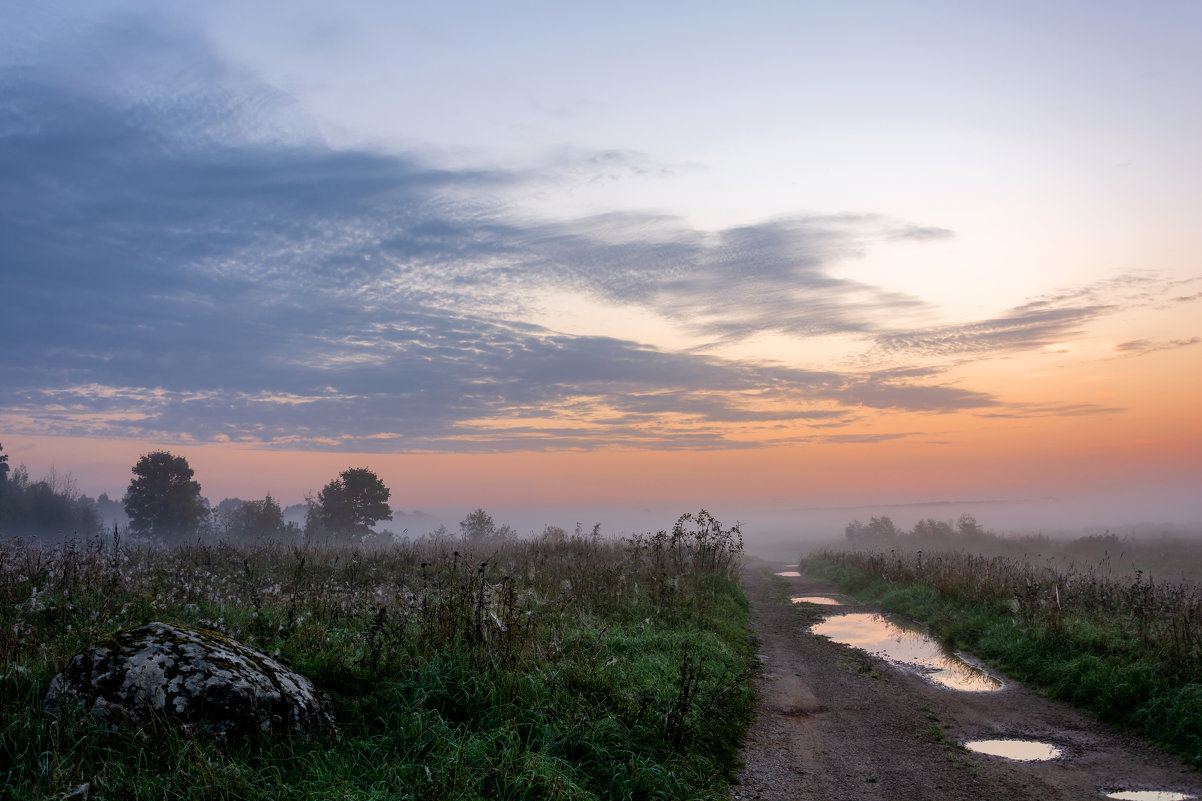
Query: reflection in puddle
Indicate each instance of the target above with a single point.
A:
(821, 600)
(789, 574)
(905, 647)
(1022, 750)
(1149, 795)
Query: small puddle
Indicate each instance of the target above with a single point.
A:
(1150, 795)
(789, 574)
(907, 648)
(1021, 750)
(821, 600)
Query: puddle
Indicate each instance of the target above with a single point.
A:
(907, 648)
(821, 600)
(1021, 750)
(1149, 795)
(789, 574)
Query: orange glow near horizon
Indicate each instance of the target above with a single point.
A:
(1067, 424)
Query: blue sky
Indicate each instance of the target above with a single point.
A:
(465, 228)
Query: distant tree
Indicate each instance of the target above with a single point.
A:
(163, 501)
(112, 511)
(932, 529)
(877, 530)
(553, 534)
(3, 467)
(882, 529)
(348, 506)
(855, 532)
(969, 527)
(49, 508)
(478, 525)
(249, 521)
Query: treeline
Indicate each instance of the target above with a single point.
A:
(163, 504)
(48, 507)
(882, 531)
(1165, 554)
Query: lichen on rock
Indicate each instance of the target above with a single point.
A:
(196, 678)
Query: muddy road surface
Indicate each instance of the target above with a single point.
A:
(836, 723)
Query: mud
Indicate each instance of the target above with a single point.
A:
(836, 723)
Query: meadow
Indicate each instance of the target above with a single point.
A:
(1087, 622)
(573, 668)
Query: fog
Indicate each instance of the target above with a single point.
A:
(781, 531)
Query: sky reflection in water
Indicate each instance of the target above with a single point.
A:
(1021, 750)
(905, 647)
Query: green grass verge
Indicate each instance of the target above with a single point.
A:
(630, 678)
(1088, 658)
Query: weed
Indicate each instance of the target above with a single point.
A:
(569, 667)
(1122, 646)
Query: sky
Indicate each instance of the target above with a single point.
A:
(784, 261)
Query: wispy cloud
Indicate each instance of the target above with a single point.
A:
(1141, 347)
(1027, 410)
(1026, 327)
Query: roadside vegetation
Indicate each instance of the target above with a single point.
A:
(1116, 641)
(558, 667)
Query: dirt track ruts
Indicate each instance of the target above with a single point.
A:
(835, 724)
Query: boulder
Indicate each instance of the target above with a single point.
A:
(196, 678)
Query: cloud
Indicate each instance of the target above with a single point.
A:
(1141, 347)
(1024, 410)
(184, 258)
(1026, 327)
(730, 284)
(470, 384)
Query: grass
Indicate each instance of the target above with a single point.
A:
(579, 669)
(1122, 647)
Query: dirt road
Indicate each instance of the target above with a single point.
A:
(834, 723)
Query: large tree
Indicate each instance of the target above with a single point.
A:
(348, 506)
(163, 501)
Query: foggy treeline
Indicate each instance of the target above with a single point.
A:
(1153, 552)
(167, 508)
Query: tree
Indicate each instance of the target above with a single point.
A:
(478, 525)
(878, 530)
(48, 508)
(163, 501)
(348, 506)
(932, 529)
(3, 467)
(248, 521)
(969, 527)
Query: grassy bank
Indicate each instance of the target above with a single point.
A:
(575, 669)
(1126, 649)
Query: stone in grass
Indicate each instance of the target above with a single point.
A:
(196, 678)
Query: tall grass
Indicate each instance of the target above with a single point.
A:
(1123, 646)
(574, 669)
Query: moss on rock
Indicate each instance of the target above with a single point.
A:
(196, 678)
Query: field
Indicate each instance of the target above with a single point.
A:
(579, 668)
(1086, 623)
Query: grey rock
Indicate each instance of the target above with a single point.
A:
(196, 678)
